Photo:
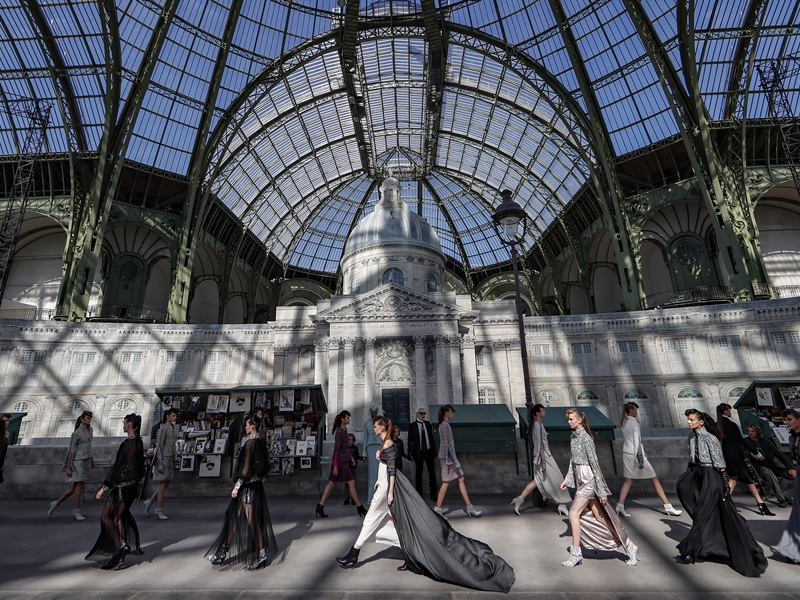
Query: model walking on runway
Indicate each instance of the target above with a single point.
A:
(634, 461)
(789, 546)
(247, 534)
(340, 466)
(163, 470)
(78, 464)
(594, 524)
(119, 534)
(718, 531)
(733, 451)
(450, 467)
(399, 516)
(546, 474)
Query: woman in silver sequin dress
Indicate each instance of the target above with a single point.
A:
(78, 465)
(594, 524)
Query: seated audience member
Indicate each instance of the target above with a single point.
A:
(768, 460)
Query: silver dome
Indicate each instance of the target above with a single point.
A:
(392, 221)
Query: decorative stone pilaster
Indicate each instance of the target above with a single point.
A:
(470, 370)
(369, 372)
(333, 376)
(320, 358)
(455, 370)
(442, 343)
(349, 371)
(278, 364)
(420, 372)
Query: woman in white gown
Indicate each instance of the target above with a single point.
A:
(546, 474)
(634, 461)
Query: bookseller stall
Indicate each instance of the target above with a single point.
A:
(763, 403)
(212, 422)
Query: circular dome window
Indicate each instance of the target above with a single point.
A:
(128, 270)
(687, 252)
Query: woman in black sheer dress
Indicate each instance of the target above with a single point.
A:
(399, 516)
(119, 535)
(718, 531)
(247, 530)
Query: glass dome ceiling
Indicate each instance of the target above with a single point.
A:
(292, 111)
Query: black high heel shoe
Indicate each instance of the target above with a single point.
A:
(765, 512)
(350, 559)
(320, 512)
(118, 558)
(403, 567)
(219, 557)
(362, 512)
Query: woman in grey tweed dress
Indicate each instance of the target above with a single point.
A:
(78, 464)
(163, 470)
(451, 468)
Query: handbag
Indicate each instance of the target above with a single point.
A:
(159, 461)
(640, 456)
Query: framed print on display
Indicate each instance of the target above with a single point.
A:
(286, 401)
(187, 463)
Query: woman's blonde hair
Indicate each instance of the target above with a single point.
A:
(626, 408)
(582, 416)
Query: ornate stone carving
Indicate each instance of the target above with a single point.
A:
(441, 340)
(369, 342)
(349, 343)
(419, 340)
(358, 364)
(395, 372)
(430, 363)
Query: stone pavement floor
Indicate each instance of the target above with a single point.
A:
(44, 559)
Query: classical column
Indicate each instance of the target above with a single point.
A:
(420, 373)
(291, 366)
(503, 372)
(334, 405)
(442, 342)
(455, 368)
(279, 361)
(320, 355)
(369, 372)
(349, 372)
(269, 364)
(470, 370)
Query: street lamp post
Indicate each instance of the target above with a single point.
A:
(511, 223)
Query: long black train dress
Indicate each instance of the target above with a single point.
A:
(117, 525)
(247, 526)
(432, 547)
(718, 532)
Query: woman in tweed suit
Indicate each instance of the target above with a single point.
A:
(451, 468)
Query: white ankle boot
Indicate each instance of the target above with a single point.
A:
(146, 507)
(517, 502)
(473, 512)
(575, 557)
(621, 510)
(160, 514)
(563, 510)
(51, 508)
(672, 511)
(76, 514)
(631, 549)
(440, 511)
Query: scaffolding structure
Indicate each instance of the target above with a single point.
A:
(38, 114)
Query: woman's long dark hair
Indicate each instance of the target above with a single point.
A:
(708, 422)
(338, 420)
(167, 413)
(443, 410)
(136, 420)
(86, 413)
(626, 408)
(532, 417)
(254, 421)
(721, 408)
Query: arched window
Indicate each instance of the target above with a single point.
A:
(547, 397)
(355, 285)
(307, 360)
(124, 404)
(21, 407)
(590, 398)
(645, 409)
(75, 406)
(735, 393)
(483, 356)
(487, 396)
(432, 285)
(393, 275)
(685, 399)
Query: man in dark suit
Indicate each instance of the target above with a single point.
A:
(768, 460)
(422, 449)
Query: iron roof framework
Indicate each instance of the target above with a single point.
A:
(287, 112)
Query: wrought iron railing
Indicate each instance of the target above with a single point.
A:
(27, 314)
(706, 294)
(124, 312)
(786, 291)
(761, 291)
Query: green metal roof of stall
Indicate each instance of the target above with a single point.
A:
(558, 429)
